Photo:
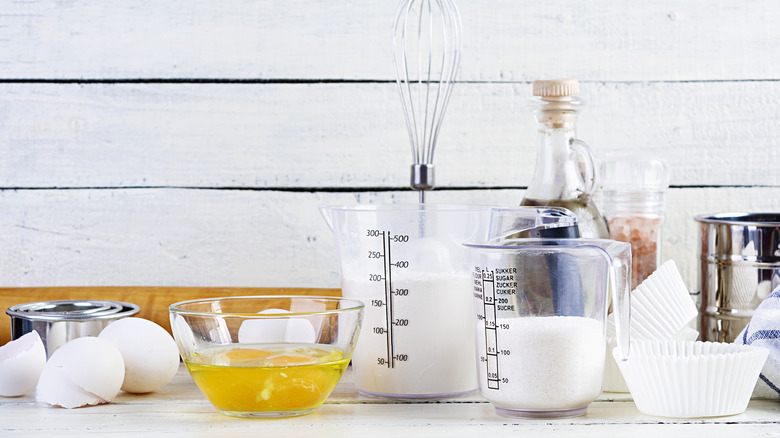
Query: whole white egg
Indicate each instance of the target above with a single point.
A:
(21, 363)
(271, 330)
(149, 352)
(84, 371)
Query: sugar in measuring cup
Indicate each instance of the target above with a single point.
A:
(540, 312)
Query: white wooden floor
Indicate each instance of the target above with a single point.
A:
(180, 409)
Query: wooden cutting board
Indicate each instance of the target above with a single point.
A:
(154, 301)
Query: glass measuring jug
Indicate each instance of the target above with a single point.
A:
(407, 264)
(541, 332)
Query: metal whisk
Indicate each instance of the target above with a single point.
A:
(427, 46)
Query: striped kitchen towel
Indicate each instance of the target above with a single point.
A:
(764, 330)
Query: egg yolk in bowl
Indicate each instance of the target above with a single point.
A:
(267, 380)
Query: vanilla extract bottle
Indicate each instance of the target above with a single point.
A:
(565, 173)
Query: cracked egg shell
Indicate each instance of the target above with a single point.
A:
(21, 363)
(85, 371)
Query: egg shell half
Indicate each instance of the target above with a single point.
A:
(56, 388)
(84, 371)
(21, 363)
(150, 354)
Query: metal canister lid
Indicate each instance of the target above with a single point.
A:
(65, 310)
(739, 238)
(741, 218)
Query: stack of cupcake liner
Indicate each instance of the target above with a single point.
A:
(661, 309)
(661, 306)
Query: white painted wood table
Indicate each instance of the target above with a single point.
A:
(180, 409)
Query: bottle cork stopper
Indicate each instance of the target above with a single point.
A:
(556, 88)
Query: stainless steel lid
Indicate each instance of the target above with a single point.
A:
(72, 310)
(737, 238)
(751, 219)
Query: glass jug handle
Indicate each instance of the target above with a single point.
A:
(588, 168)
(327, 214)
(621, 303)
(622, 309)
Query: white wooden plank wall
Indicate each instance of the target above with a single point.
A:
(190, 142)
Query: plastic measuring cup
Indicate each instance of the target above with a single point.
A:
(406, 262)
(540, 313)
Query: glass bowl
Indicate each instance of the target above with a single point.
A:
(266, 356)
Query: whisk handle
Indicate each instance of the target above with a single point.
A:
(422, 176)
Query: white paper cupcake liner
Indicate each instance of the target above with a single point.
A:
(685, 379)
(613, 378)
(661, 306)
(661, 309)
(687, 334)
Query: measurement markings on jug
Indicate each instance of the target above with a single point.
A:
(488, 287)
(390, 293)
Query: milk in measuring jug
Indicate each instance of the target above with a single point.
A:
(428, 349)
(406, 262)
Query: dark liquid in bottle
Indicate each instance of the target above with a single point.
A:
(590, 222)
